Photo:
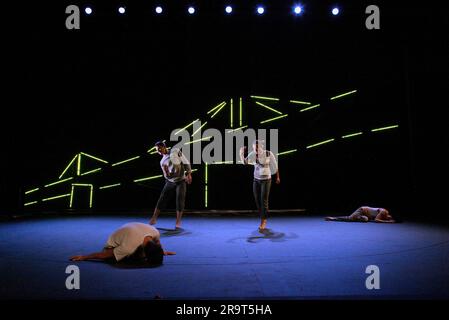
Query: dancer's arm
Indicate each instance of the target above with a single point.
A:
(105, 254)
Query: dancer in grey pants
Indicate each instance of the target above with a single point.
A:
(265, 165)
(177, 173)
(365, 214)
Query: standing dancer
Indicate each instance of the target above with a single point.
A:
(177, 173)
(265, 165)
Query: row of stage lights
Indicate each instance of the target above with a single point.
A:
(297, 10)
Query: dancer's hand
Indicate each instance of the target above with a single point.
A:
(242, 149)
(169, 253)
(78, 258)
(189, 178)
(278, 180)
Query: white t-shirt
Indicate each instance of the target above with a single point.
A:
(265, 164)
(129, 237)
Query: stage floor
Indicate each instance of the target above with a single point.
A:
(227, 258)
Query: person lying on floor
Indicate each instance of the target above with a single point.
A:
(366, 214)
(134, 240)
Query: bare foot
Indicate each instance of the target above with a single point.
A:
(178, 226)
(263, 224)
(329, 218)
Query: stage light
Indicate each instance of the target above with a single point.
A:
(228, 9)
(30, 203)
(335, 11)
(297, 10)
(121, 10)
(273, 119)
(88, 10)
(260, 10)
(267, 107)
(198, 140)
(158, 10)
(191, 10)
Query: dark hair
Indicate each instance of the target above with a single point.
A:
(160, 143)
(153, 253)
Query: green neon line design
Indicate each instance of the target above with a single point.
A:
(205, 185)
(71, 162)
(91, 171)
(153, 152)
(57, 182)
(148, 178)
(216, 107)
(91, 201)
(196, 131)
(240, 113)
(300, 102)
(344, 94)
(150, 150)
(194, 170)
(352, 135)
(265, 98)
(57, 197)
(236, 129)
(31, 191)
(287, 152)
(216, 112)
(385, 128)
(93, 157)
(82, 184)
(232, 114)
(273, 119)
(78, 168)
(267, 107)
(309, 108)
(224, 162)
(125, 161)
(29, 203)
(71, 196)
(320, 143)
(110, 186)
(190, 124)
(198, 140)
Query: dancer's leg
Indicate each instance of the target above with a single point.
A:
(265, 194)
(181, 190)
(162, 201)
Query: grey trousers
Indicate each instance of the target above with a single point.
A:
(261, 190)
(169, 187)
(356, 216)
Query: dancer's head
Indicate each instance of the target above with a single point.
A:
(161, 148)
(258, 146)
(384, 214)
(154, 254)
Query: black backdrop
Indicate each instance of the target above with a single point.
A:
(121, 82)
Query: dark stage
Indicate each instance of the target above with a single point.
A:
(300, 257)
(353, 106)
